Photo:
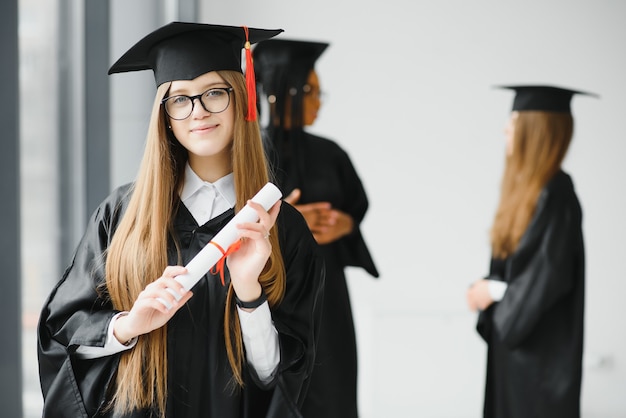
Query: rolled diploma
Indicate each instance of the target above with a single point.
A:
(210, 254)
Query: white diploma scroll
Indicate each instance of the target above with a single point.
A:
(212, 252)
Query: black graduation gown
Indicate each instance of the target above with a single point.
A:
(322, 170)
(535, 333)
(199, 375)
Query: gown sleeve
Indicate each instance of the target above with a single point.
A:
(539, 273)
(356, 203)
(75, 314)
(297, 317)
(352, 247)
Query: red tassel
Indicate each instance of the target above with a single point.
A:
(219, 266)
(250, 80)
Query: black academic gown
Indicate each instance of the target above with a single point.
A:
(535, 333)
(199, 375)
(322, 170)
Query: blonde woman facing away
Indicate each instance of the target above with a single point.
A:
(532, 303)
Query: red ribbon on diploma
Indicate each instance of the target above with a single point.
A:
(219, 266)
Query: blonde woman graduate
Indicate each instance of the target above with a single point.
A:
(118, 335)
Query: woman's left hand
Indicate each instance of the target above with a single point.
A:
(246, 264)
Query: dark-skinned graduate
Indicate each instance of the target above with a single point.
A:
(531, 305)
(118, 335)
(318, 177)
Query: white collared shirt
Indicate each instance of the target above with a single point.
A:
(205, 201)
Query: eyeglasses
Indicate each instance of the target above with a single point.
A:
(213, 100)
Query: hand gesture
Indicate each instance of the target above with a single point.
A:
(326, 224)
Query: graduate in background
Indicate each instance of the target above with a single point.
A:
(118, 336)
(532, 303)
(322, 183)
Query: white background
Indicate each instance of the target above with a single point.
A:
(410, 95)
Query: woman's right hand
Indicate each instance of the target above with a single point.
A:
(149, 311)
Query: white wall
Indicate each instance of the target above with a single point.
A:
(132, 93)
(410, 98)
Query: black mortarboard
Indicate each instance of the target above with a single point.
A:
(543, 98)
(279, 53)
(184, 51)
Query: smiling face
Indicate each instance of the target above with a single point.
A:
(207, 136)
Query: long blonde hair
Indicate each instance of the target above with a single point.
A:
(540, 142)
(138, 251)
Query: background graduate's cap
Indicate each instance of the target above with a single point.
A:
(184, 51)
(279, 52)
(543, 98)
(274, 55)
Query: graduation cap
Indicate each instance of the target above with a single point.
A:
(273, 55)
(543, 98)
(184, 51)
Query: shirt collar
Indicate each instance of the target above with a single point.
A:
(225, 186)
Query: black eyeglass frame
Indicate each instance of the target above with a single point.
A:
(228, 90)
